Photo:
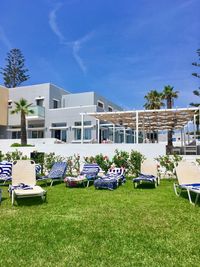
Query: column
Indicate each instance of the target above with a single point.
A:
(82, 127)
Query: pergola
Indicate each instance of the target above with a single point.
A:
(148, 120)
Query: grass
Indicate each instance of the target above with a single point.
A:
(88, 227)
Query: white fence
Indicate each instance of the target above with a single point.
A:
(47, 146)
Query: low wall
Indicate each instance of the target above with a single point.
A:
(149, 150)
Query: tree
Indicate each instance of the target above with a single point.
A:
(23, 108)
(196, 92)
(154, 100)
(169, 95)
(195, 74)
(14, 72)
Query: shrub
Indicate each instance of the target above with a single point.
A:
(103, 161)
(169, 163)
(121, 159)
(15, 155)
(19, 145)
(73, 164)
(135, 161)
(1, 156)
(38, 158)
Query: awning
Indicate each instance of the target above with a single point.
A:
(149, 120)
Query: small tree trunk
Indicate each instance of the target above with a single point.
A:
(23, 130)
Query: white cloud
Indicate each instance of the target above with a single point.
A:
(4, 39)
(76, 45)
(53, 22)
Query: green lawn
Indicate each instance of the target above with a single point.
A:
(88, 227)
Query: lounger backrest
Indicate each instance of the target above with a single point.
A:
(58, 170)
(90, 168)
(23, 171)
(187, 173)
(5, 169)
(117, 171)
(149, 167)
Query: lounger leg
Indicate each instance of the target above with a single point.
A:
(189, 196)
(13, 197)
(44, 197)
(135, 185)
(51, 182)
(196, 200)
(88, 183)
(175, 190)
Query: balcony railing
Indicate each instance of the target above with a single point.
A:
(39, 113)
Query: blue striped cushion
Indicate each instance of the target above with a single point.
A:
(90, 169)
(145, 177)
(38, 168)
(5, 169)
(58, 170)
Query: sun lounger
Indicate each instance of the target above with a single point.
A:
(149, 174)
(57, 173)
(5, 171)
(87, 175)
(188, 175)
(113, 178)
(24, 181)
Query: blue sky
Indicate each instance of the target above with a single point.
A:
(119, 48)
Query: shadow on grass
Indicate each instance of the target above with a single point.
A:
(3, 199)
(77, 187)
(184, 195)
(32, 201)
(145, 186)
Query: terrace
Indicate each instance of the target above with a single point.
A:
(145, 122)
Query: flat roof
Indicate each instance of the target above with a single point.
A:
(159, 119)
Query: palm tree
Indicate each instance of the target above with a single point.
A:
(22, 107)
(197, 93)
(169, 95)
(154, 100)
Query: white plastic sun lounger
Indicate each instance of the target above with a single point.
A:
(188, 175)
(149, 173)
(24, 181)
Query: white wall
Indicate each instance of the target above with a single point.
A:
(149, 150)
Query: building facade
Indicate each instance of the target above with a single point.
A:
(4, 93)
(62, 115)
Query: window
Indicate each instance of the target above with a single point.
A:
(87, 134)
(85, 123)
(77, 123)
(55, 103)
(100, 104)
(77, 134)
(39, 102)
(59, 124)
(16, 135)
(110, 109)
(37, 134)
